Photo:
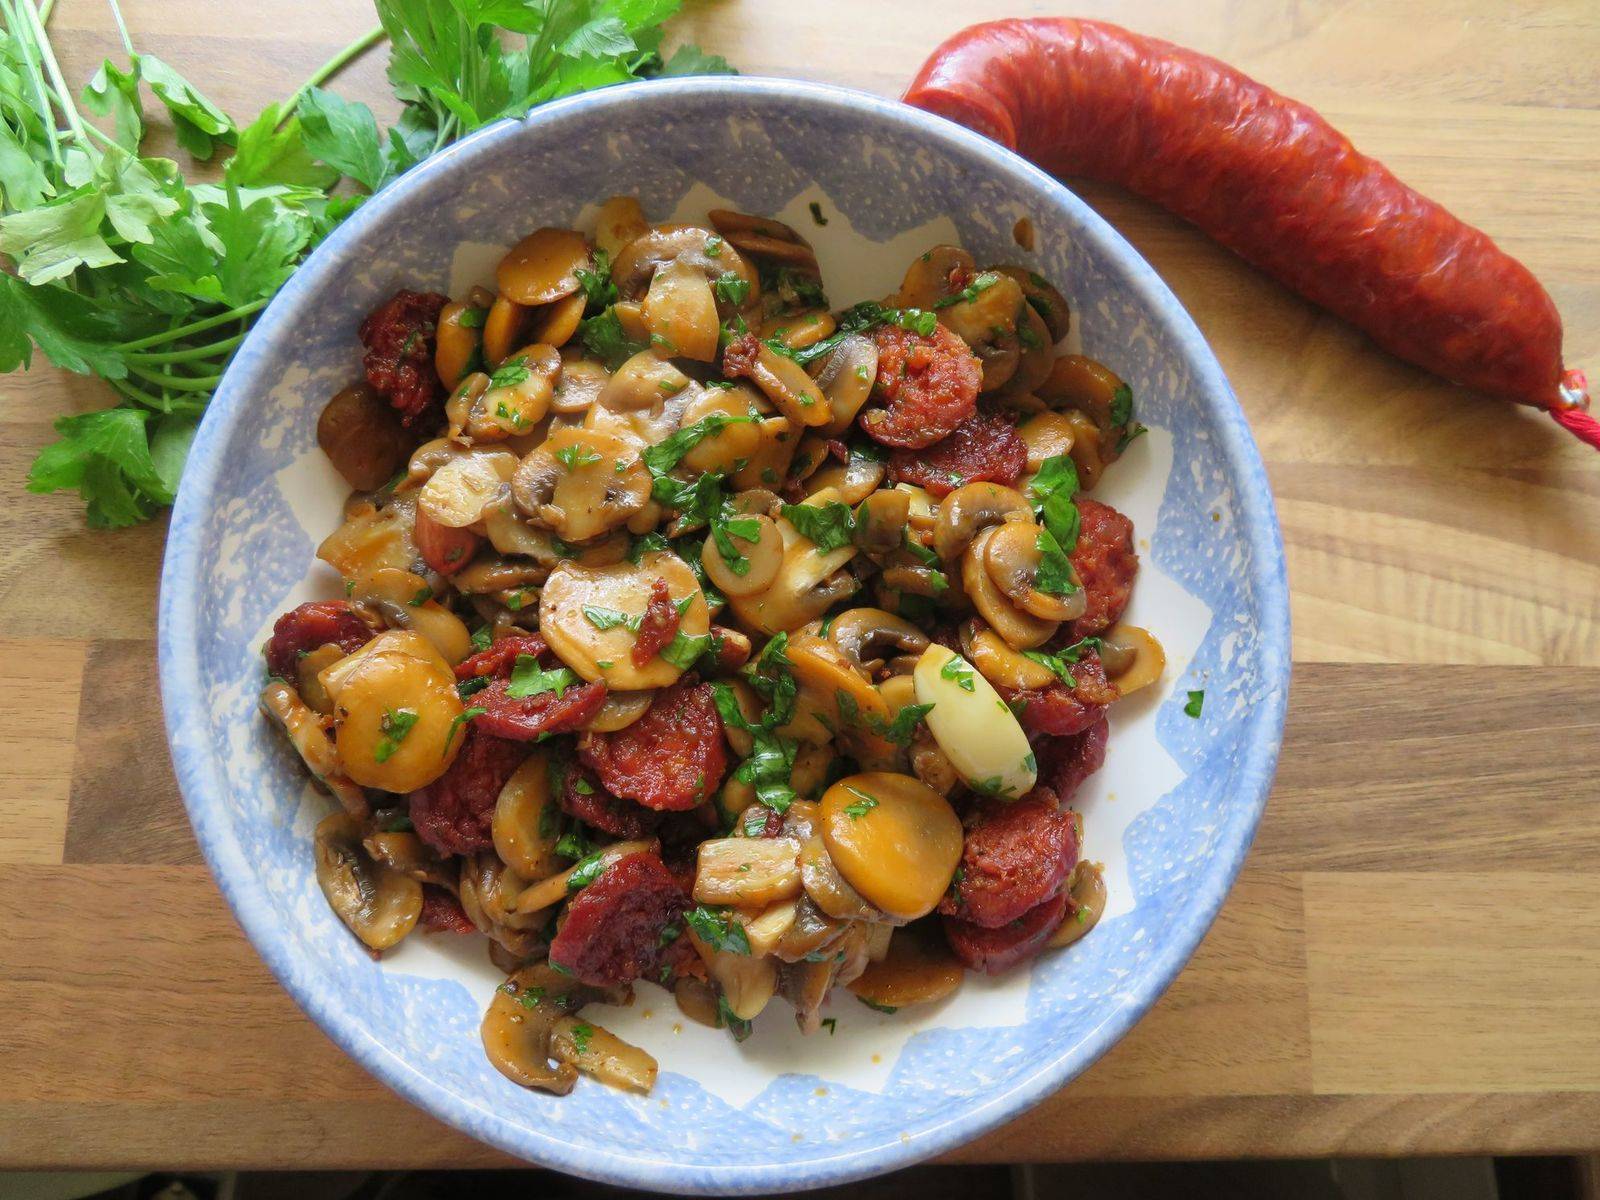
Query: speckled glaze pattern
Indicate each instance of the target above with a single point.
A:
(235, 549)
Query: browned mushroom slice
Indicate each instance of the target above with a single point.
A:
(881, 522)
(988, 324)
(503, 329)
(520, 1021)
(403, 600)
(527, 821)
(1081, 383)
(680, 312)
(517, 396)
(969, 509)
(846, 380)
(1038, 352)
(1043, 298)
(918, 969)
(809, 582)
(362, 436)
(1012, 560)
(579, 385)
(734, 442)
(555, 323)
(636, 263)
(763, 237)
(596, 1051)
(1133, 658)
(776, 441)
(620, 710)
(1046, 435)
(459, 337)
(619, 221)
(377, 903)
(799, 330)
(1021, 630)
(581, 483)
(456, 494)
(373, 537)
(999, 663)
(854, 479)
(935, 275)
(308, 734)
(781, 380)
(543, 266)
(1088, 892)
(759, 557)
(869, 637)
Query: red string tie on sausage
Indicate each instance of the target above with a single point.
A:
(1270, 179)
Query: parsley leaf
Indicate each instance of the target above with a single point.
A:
(829, 525)
(959, 670)
(663, 457)
(717, 928)
(1197, 701)
(529, 679)
(900, 730)
(394, 725)
(864, 803)
(610, 618)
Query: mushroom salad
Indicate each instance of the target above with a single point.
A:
(698, 633)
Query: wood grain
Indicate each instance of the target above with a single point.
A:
(1407, 964)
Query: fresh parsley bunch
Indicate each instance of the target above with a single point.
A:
(126, 270)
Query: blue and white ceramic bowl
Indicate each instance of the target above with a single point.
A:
(1171, 815)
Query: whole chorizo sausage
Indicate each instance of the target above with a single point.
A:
(1271, 180)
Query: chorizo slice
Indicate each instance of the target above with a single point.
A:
(1106, 564)
(442, 912)
(501, 656)
(984, 447)
(657, 627)
(524, 718)
(927, 384)
(453, 813)
(993, 951)
(671, 758)
(1065, 762)
(582, 796)
(302, 630)
(399, 338)
(1015, 857)
(1062, 710)
(612, 931)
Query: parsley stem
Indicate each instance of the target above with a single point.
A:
(48, 56)
(182, 383)
(44, 10)
(122, 28)
(139, 396)
(36, 78)
(209, 350)
(172, 335)
(331, 68)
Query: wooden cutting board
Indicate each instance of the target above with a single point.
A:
(1410, 961)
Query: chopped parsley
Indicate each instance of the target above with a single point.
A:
(861, 806)
(1122, 405)
(731, 288)
(903, 727)
(883, 1008)
(461, 719)
(471, 318)
(510, 374)
(717, 928)
(726, 527)
(598, 289)
(858, 319)
(981, 282)
(529, 679)
(1197, 701)
(1061, 662)
(604, 338)
(816, 213)
(587, 871)
(830, 526)
(713, 246)
(610, 618)
(581, 1033)
(394, 725)
(482, 637)
(831, 1024)
(471, 687)
(959, 670)
(424, 594)
(577, 455)
(738, 1026)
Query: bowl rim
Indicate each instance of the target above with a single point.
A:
(200, 782)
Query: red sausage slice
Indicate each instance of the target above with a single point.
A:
(1016, 856)
(1065, 762)
(995, 950)
(927, 385)
(453, 813)
(302, 630)
(1059, 710)
(583, 797)
(399, 339)
(612, 931)
(671, 758)
(658, 626)
(1106, 563)
(1268, 178)
(983, 447)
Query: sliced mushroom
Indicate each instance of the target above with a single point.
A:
(458, 339)
(620, 710)
(1089, 387)
(733, 443)
(799, 330)
(760, 557)
(578, 386)
(1021, 630)
(619, 221)
(767, 928)
(828, 671)
(543, 266)
(806, 986)
(854, 479)
(974, 727)
(310, 665)
(764, 237)
(457, 493)
(510, 533)
(922, 512)
(918, 969)
(894, 839)
(378, 904)
(396, 712)
(988, 324)
(777, 440)
(581, 483)
(373, 537)
(1133, 658)
(516, 397)
(786, 384)
(308, 734)
(812, 935)
(935, 275)
(519, 1023)
(488, 576)
(868, 637)
(931, 764)
(527, 820)
(1046, 435)
(697, 1000)
(681, 312)
(974, 507)
(503, 329)
(554, 324)
(405, 601)
(999, 663)
(809, 582)
(1088, 905)
(646, 381)
(606, 654)
(489, 890)
(827, 887)
(362, 436)
(1038, 354)
(1043, 298)
(596, 1051)
(846, 380)
(1012, 557)
(746, 872)
(747, 983)
(881, 521)
(637, 263)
